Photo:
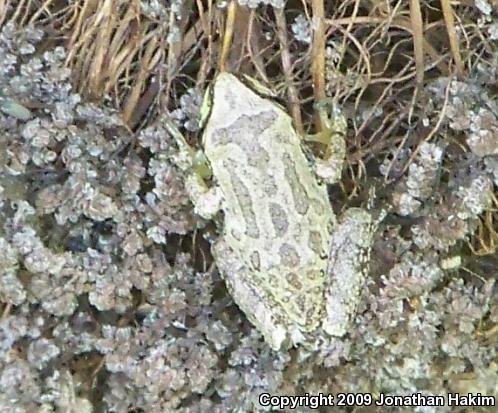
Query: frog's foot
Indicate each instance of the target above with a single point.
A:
(347, 269)
(329, 167)
(207, 201)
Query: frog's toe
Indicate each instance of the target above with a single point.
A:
(207, 202)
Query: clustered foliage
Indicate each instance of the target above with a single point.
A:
(108, 303)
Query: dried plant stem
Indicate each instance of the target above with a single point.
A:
(106, 21)
(18, 9)
(41, 9)
(486, 237)
(6, 310)
(150, 58)
(205, 19)
(228, 35)
(286, 58)
(318, 53)
(4, 6)
(450, 28)
(418, 41)
(401, 23)
(253, 27)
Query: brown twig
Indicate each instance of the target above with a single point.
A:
(401, 23)
(227, 35)
(318, 53)
(4, 7)
(418, 41)
(450, 28)
(286, 59)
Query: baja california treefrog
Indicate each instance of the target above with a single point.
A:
(287, 262)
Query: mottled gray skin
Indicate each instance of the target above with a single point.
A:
(285, 261)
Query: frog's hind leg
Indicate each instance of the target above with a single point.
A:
(347, 269)
(250, 299)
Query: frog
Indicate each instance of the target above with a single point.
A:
(294, 269)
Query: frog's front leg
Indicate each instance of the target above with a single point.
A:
(347, 268)
(329, 167)
(207, 201)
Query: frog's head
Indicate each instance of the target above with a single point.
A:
(224, 87)
(222, 83)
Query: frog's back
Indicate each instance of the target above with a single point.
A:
(277, 218)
